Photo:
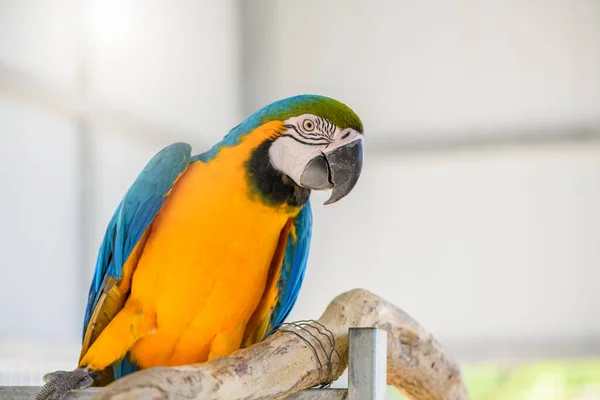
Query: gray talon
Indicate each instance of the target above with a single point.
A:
(59, 383)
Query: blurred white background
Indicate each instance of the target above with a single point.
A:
(478, 211)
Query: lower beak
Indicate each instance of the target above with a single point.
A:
(339, 169)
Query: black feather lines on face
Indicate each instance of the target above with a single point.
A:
(273, 187)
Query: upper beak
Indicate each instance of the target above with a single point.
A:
(338, 169)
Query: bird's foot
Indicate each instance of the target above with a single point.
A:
(321, 341)
(59, 383)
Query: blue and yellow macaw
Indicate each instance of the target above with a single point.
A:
(206, 253)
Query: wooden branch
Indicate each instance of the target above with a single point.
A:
(29, 393)
(285, 363)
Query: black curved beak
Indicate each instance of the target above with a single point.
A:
(339, 169)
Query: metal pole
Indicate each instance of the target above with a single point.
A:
(367, 364)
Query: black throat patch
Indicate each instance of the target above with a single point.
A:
(272, 186)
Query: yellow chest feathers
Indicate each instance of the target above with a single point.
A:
(205, 265)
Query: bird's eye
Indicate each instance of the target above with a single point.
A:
(308, 125)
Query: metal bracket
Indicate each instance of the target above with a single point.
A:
(367, 364)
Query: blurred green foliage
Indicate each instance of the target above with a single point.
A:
(546, 380)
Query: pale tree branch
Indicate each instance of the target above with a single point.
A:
(288, 362)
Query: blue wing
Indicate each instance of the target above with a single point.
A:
(293, 267)
(135, 213)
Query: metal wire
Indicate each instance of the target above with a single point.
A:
(322, 330)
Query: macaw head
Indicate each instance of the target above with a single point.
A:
(299, 144)
(321, 147)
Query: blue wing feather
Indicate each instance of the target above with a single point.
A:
(294, 266)
(135, 213)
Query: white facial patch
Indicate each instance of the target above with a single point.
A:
(291, 157)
